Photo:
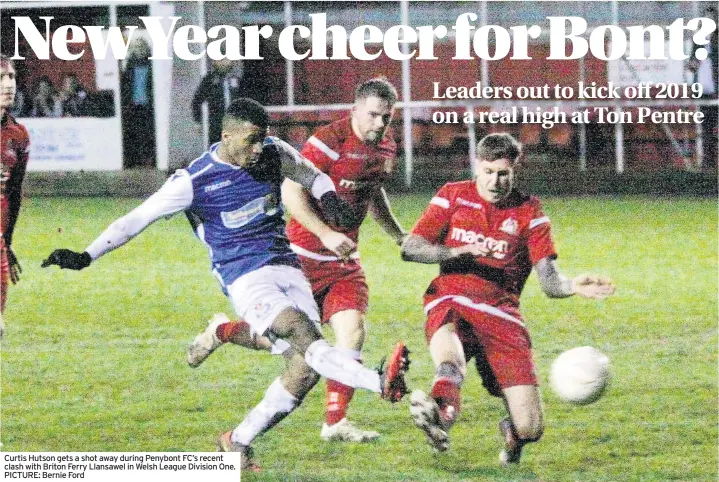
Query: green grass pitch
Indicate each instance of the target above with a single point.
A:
(95, 360)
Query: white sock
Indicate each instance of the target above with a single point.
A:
(336, 364)
(353, 354)
(276, 405)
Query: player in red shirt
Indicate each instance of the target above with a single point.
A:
(358, 157)
(486, 236)
(13, 164)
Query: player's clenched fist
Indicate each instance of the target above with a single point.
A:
(67, 259)
(338, 243)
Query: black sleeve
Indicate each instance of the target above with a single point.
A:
(14, 194)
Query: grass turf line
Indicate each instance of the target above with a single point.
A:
(95, 360)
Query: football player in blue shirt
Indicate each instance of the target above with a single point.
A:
(234, 191)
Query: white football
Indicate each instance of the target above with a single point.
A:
(580, 375)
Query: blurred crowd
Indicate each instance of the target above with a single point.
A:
(43, 99)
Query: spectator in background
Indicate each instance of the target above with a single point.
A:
(44, 102)
(218, 89)
(20, 107)
(73, 97)
(138, 115)
(706, 72)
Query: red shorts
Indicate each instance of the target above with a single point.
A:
(4, 275)
(336, 286)
(501, 348)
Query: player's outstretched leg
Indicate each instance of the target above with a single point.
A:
(282, 397)
(220, 330)
(328, 361)
(310, 350)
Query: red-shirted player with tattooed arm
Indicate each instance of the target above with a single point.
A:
(358, 157)
(13, 158)
(486, 236)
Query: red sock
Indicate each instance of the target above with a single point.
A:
(227, 331)
(446, 393)
(338, 397)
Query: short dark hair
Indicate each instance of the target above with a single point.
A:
(6, 59)
(244, 109)
(377, 87)
(499, 146)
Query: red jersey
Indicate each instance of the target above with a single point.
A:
(516, 234)
(15, 143)
(358, 169)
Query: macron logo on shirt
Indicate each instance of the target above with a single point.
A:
(217, 185)
(498, 248)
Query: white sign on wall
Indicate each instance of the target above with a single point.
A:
(74, 144)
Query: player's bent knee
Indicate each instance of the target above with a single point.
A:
(308, 379)
(529, 425)
(305, 335)
(525, 408)
(529, 432)
(295, 327)
(299, 378)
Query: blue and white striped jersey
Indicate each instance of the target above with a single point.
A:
(241, 217)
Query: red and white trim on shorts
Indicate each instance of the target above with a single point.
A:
(464, 301)
(324, 148)
(318, 257)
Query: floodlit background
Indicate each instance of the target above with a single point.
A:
(95, 361)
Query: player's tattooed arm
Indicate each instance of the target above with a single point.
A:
(556, 285)
(382, 213)
(417, 249)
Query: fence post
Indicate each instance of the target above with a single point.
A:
(406, 99)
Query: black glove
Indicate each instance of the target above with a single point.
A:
(15, 268)
(338, 212)
(67, 259)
